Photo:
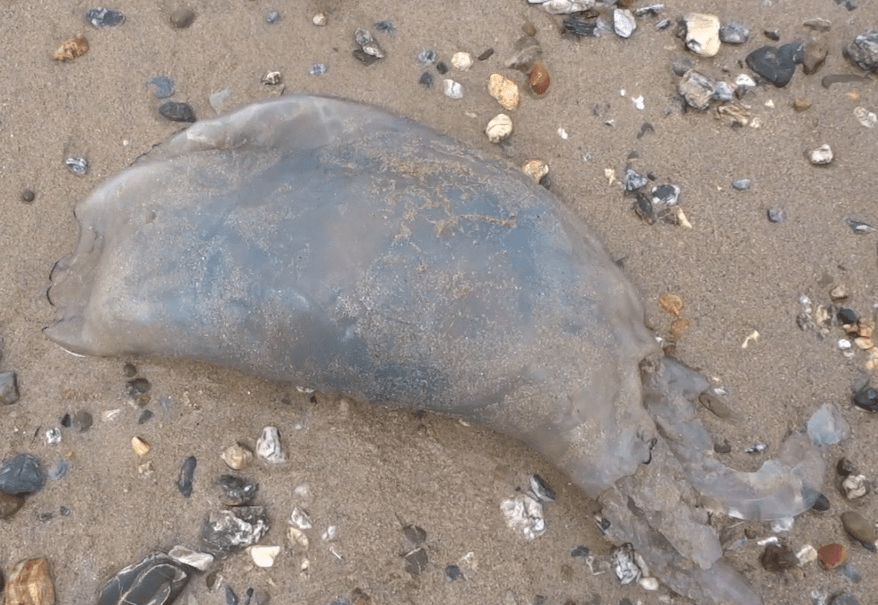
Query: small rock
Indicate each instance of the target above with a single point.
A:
(504, 90)
(702, 34)
(28, 196)
(181, 18)
(302, 520)
(863, 51)
(563, 7)
(140, 446)
(230, 530)
(30, 583)
(579, 27)
(268, 446)
(8, 388)
(272, 17)
(453, 572)
(821, 504)
(71, 49)
(671, 303)
(539, 79)
(715, 404)
(319, 19)
(860, 529)
(102, 17)
(426, 80)
(772, 34)
(272, 78)
(416, 562)
(230, 596)
(801, 105)
(441, 67)
(741, 184)
(817, 24)
(164, 86)
(724, 92)
(696, 89)
(633, 180)
(832, 556)
(155, 580)
(524, 514)
(177, 111)
(499, 128)
(777, 65)
(77, 165)
(821, 156)
(9, 505)
(844, 598)
(667, 195)
(623, 22)
(722, 448)
(237, 491)
(237, 456)
(624, 563)
(385, 27)
(734, 33)
(367, 43)
(865, 117)
(813, 56)
(452, 89)
(462, 61)
(486, 54)
(855, 486)
(21, 475)
(535, 169)
(428, 56)
(318, 69)
(264, 556)
(756, 448)
(187, 476)
(540, 489)
(777, 558)
(199, 560)
(838, 293)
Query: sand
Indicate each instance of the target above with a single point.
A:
(370, 471)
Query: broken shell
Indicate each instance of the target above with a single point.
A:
(702, 34)
(140, 446)
(672, 304)
(30, 584)
(237, 456)
(540, 79)
(535, 169)
(499, 128)
(821, 156)
(72, 48)
(504, 90)
(462, 61)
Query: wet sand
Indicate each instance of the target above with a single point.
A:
(370, 471)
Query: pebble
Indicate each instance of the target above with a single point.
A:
(71, 49)
(696, 89)
(199, 560)
(863, 51)
(272, 17)
(319, 19)
(237, 491)
(777, 65)
(237, 456)
(524, 514)
(272, 78)
(715, 404)
(860, 529)
(855, 486)
(865, 117)
(821, 156)
(318, 69)
(77, 165)
(832, 556)
(181, 18)
(426, 80)
(21, 475)
(416, 562)
(623, 22)
(563, 7)
(723, 92)
(154, 580)
(102, 17)
(441, 67)
(535, 169)
(230, 530)
(8, 388)
(741, 184)
(813, 56)
(579, 27)
(539, 79)
(386, 27)
(187, 476)
(504, 90)
(801, 105)
(667, 195)
(844, 599)
(164, 86)
(772, 34)
(778, 558)
(367, 43)
(302, 520)
(702, 34)
(633, 180)
(734, 33)
(540, 489)
(428, 56)
(177, 111)
(452, 89)
(9, 505)
(53, 436)
(230, 596)
(845, 467)
(453, 572)
(28, 196)
(756, 448)
(140, 446)
(486, 54)
(499, 128)
(264, 556)
(462, 61)
(821, 504)
(624, 564)
(30, 583)
(268, 446)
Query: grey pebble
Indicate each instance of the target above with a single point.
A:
(231, 597)
(187, 476)
(772, 34)
(237, 491)
(8, 388)
(633, 180)
(365, 58)
(82, 421)
(228, 531)
(386, 27)
(734, 33)
(428, 56)
(272, 17)
(182, 18)
(723, 92)
(144, 416)
(28, 196)
(741, 184)
(102, 17)
(77, 165)
(850, 572)
(453, 572)
(318, 69)
(776, 215)
(416, 562)
(177, 111)
(863, 51)
(21, 474)
(860, 529)
(580, 551)
(164, 86)
(541, 489)
(426, 80)
(697, 89)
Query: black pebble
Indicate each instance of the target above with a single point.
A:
(237, 491)
(867, 399)
(847, 316)
(21, 474)
(821, 504)
(442, 67)
(66, 421)
(144, 416)
(580, 28)
(426, 80)
(138, 386)
(777, 65)
(385, 26)
(187, 476)
(414, 534)
(777, 558)
(231, 597)
(772, 34)
(177, 111)
(416, 562)
(453, 572)
(486, 55)
(845, 467)
(28, 196)
(580, 551)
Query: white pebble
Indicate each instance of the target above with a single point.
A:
(462, 61)
(822, 155)
(648, 583)
(268, 446)
(806, 554)
(300, 519)
(199, 560)
(453, 89)
(499, 128)
(264, 556)
(319, 19)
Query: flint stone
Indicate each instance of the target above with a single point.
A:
(228, 531)
(863, 51)
(186, 556)
(734, 33)
(21, 474)
(237, 491)
(155, 580)
(187, 476)
(176, 111)
(777, 65)
(102, 17)
(8, 388)
(697, 89)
